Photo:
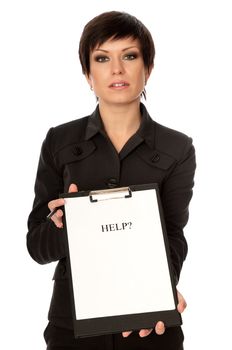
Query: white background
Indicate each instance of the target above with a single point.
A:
(41, 85)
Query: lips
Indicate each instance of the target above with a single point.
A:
(119, 84)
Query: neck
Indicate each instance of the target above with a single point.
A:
(120, 119)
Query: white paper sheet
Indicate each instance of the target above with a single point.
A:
(118, 258)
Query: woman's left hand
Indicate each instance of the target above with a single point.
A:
(160, 328)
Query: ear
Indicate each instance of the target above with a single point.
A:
(148, 71)
(89, 80)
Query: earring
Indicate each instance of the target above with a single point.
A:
(91, 88)
(144, 94)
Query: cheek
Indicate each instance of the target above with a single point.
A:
(140, 78)
(139, 73)
(98, 77)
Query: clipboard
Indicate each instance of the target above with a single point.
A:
(119, 261)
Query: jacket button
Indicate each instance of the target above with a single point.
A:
(155, 158)
(78, 151)
(112, 183)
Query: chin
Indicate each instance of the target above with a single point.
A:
(119, 100)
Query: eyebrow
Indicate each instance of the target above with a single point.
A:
(127, 48)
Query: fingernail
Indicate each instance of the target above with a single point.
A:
(142, 333)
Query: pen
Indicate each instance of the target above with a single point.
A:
(52, 213)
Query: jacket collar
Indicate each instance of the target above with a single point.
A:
(146, 131)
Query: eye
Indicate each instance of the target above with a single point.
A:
(101, 59)
(130, 56)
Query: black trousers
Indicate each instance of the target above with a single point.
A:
(63, 339)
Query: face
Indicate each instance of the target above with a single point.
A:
(117, 71)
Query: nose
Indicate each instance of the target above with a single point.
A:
(117, 66)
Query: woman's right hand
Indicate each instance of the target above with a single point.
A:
(56, 203)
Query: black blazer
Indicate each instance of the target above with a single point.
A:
(80, 152)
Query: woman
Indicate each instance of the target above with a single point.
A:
(118, 145)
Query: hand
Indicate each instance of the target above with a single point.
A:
(160, 328)
(57, 217)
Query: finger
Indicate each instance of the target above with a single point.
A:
(55, 203)
(57, 218)
(57, 222)
(181, 302)
(59, 213)
(126, 334)
(145, 332)
(73, 188)
(160, 328)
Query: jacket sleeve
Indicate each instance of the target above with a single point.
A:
(176, 194)
(45, 242)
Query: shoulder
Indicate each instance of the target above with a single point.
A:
(172, 142)
(66, 134)
(71, 130)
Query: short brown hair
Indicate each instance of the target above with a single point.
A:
(115, 25)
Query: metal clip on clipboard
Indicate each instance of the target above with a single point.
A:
(116, 193)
